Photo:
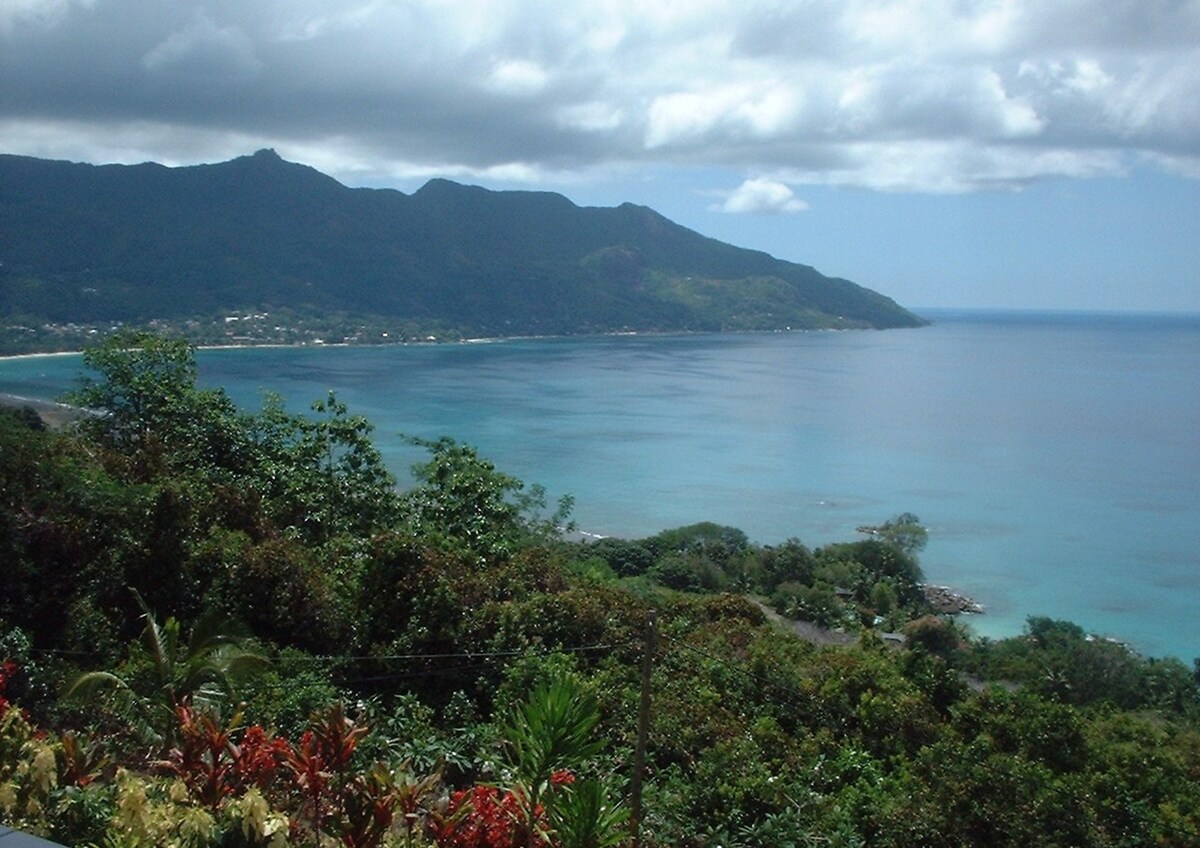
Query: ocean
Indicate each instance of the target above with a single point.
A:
(1054, 457)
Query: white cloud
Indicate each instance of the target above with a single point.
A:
(594, 116)
(35, 12)
(744, 110)
(950, 167)
(517, 77)
(762, 196)
(945, 95)
(204, 51)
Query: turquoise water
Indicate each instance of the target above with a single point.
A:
(1055, 457)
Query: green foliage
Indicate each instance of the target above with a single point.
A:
(321, 476)
(818, 604)
(905, 531)
(790, 562)
(204, 670)
(477, 646)
(152, 412)
(933, 634)
(22, 416)
(283, 594)
(876, 560)
(462, 501)
(1059, 660)
(553, 729)
(547, 737)
(586, 817)
(687, 574)
(446, 258)
(715, 541)
(626, 558)
(285, 694)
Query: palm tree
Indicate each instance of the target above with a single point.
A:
(203, 671)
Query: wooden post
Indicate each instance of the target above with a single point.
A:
(643, 730)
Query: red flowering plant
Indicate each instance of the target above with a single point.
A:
(415, 797)
(366, 808)
(212, 766)
(258, 758)
(562, 777)
(487, 817)
(321, 757)
(545, 737)
(358, 808)
(8, 669)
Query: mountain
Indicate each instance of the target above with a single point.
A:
(83, 243)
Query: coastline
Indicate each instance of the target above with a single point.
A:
(995, 557)
(948, 601)
(5, 356)
(475, 340)
(52, 413)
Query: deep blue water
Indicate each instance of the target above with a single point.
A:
(1055, 457)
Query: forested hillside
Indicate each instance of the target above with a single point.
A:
(87, 244)
(223, 627)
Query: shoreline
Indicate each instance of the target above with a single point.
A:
(49, 353)
(949, 601)
(475, 340)
(52, 413)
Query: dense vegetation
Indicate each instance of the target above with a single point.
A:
(82, 245)
(230, 628)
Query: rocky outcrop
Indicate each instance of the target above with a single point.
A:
(947, 601)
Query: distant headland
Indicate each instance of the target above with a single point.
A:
(208, 248)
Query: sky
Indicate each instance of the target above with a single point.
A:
(1040, 154)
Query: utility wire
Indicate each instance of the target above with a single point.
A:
(451, 656)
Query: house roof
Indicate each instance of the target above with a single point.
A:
(10, 838)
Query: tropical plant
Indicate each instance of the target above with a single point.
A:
(203, 670)
(586, 817)
(213, 766)
(547, 736)
(462, 501)
(149, 407)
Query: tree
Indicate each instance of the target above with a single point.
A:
(204, 670)
(150, 409)
(552, 732)
(322, 475)
(905, 531)
(464, 502)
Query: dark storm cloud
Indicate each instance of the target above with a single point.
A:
(935, 96)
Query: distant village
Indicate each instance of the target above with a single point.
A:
(228, 330)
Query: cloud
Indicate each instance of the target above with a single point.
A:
(905, 95)
(204, 51)
(39, 12)
(518, 77)
(762, 196)
(952, 167)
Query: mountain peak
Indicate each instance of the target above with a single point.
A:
(261, 232)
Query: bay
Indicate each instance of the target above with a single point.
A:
(1055, 457)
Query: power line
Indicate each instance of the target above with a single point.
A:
(469, 655)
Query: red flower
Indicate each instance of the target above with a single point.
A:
(7, 669)
(481, 817)
(258, 757)
(562, 777)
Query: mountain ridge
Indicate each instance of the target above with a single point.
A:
(132, 243)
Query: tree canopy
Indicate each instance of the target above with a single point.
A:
(312, 656)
